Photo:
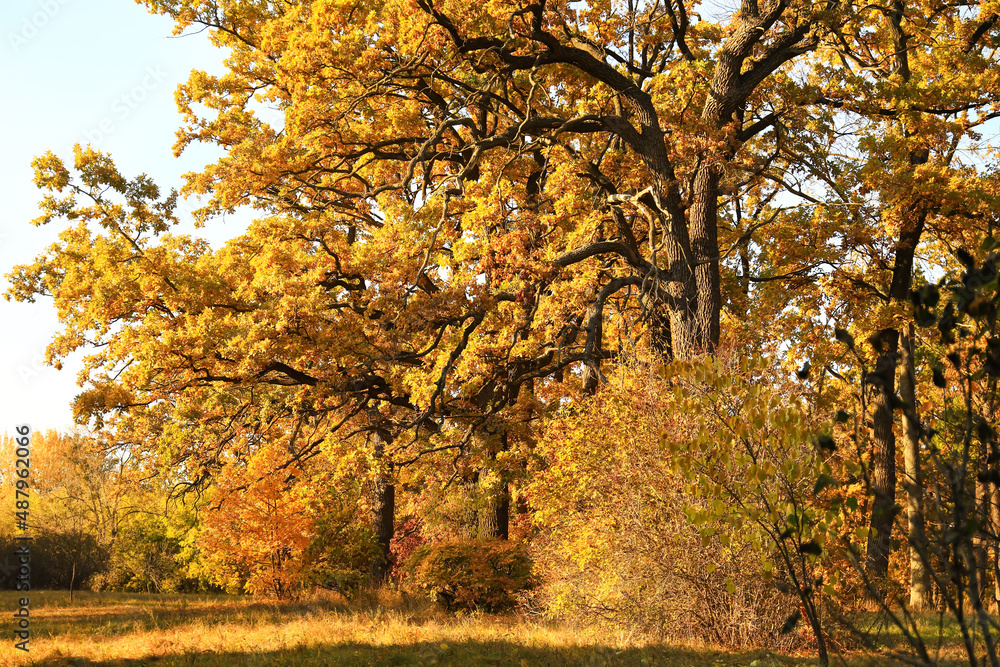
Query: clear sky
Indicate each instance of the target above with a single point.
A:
(101, 72)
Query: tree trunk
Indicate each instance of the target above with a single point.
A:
(883, 382)
(883, 469)
(494, 522)
(468, 520)
(920, 580)
(995, 524)
(592, 367)
(681, 294)
(983, 495)
(383, 500)
(382, 497)
(705, 248)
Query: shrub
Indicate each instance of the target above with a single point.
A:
(407, 538)
(151, 554)
(628, 533)
(340, 553)
(59, 559)
(472, 574)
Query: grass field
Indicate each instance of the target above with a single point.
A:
(134, 629)
(131, 629)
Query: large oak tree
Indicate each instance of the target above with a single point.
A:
(457, 202)
(462, 206)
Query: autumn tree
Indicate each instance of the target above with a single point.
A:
(94, 509)
(85, 482)
(639, 106)
(452, 201)
(908, 167)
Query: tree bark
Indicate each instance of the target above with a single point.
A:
(681, 294)
(592, 366)
(494, 523)
(382, 498)
(705, 249)
(468, 520)
(883, 382)
(883, 470)
(920, 580)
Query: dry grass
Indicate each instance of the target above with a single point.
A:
(135, 629)
(128, 629)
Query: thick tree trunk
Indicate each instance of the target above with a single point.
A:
(920, 580)
(883, 382)
(705, 248)
(494, 522)
(592, 367)
(682, 297)
(383, 501)
(382, 498)
(658, 323)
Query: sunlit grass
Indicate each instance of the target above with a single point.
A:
(134, 629)
(115, 628)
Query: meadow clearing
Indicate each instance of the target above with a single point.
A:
(134, 629)
(139, 629)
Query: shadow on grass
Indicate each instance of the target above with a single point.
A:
(132, 618)
(457, 654)
(112, 615)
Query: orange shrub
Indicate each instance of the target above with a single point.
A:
(472, 574)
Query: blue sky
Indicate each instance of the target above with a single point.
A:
(90, 71)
